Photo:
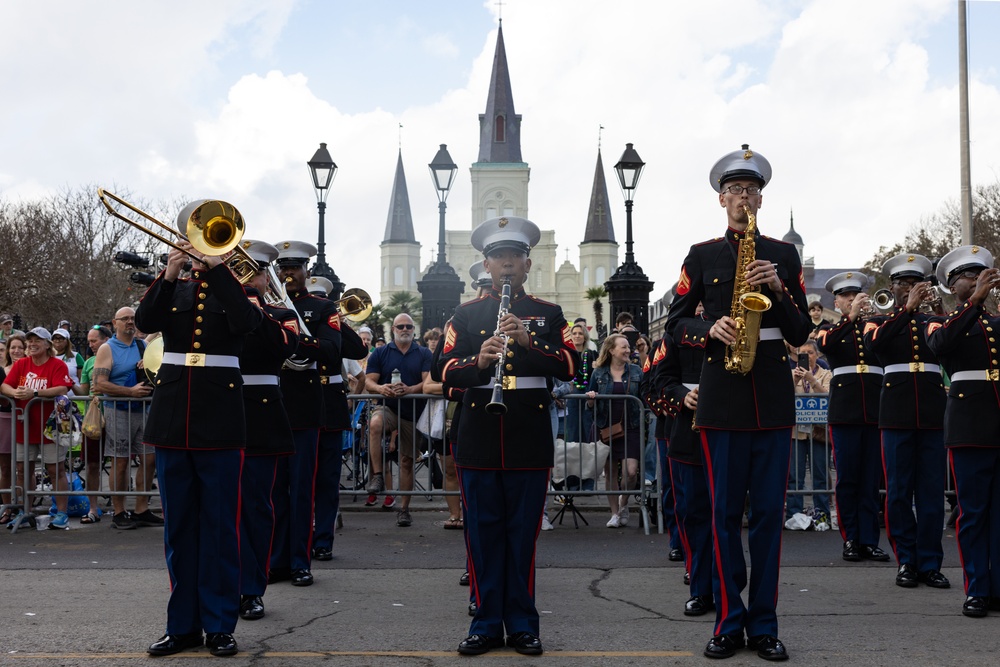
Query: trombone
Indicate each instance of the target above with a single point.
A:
(355, 305)
(213, 227)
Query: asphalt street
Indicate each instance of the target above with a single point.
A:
(93, 595)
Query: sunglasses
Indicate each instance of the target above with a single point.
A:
(404, 327)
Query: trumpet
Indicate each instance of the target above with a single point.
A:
(879, 303)
(212, 226)
(932, 300)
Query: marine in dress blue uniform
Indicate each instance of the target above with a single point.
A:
(966, 345)
(336, 423)
(196, 422)
(853, 419)
(676, 375)
(503, 461)
(301, 385)
(745, 421)
(911, 418)
(269, 434)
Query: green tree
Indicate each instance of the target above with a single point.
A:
(595, 294)
(402, 302)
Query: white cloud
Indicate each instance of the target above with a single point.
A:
(837, 94)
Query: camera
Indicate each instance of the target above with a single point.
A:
(142, 278)
(131, 259)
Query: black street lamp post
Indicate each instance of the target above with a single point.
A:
(323, 170)
(441, 288)
(628, 289)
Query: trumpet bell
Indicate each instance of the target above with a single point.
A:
(212, 226)
(355, 305)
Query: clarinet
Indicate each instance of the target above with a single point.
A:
(496, 405)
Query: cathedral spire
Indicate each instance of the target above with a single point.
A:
(500, 127)
(599, 226)
(399, 225)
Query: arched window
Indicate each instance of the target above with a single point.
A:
(586, 276)
(413, 278)
(397, 276)
(599, 276)
(385, 275)
(498, 134)
(491, 213)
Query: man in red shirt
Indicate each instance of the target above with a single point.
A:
(40, 375)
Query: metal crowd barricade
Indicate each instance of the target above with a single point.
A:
(426, 452)
(9, 495)
(34, 480)
(582, 459)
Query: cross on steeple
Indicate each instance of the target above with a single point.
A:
(499, 4)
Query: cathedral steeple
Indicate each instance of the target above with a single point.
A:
(500, 127)
(599, 226)
(399, 225)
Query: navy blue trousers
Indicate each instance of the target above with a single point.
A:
(694, 522)
(668, 501)
(294, 489)
(328, 466)
(256, 522)
(977, 484)
(503, 515)
(738, 463)
(914, 463)
(200, 492)
(857, 456)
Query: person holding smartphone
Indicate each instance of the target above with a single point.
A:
(810, 378)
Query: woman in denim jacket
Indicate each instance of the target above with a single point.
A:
(613, 374)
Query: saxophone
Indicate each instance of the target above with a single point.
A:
(748, 305)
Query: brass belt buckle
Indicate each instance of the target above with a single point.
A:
(916, 367)
(194, 359)
(862, 368)
(510, 382)
(993, 374)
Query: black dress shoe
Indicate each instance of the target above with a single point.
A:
(278, 574)
(675, 555)
(724, 646)
(851, 551)
(687, 578)
(976, 607)
(768, 647)
(934, 579)
(322, 553)
(221, 644)
(479, 644)
(251, 607)
(907, 576)
(302, 578)
(869, 552)
(473, 609)
(170, 644)
(525, 643)
(464, 580)
(699, 605)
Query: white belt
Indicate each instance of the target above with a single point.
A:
(260, 379)
(771, 333)
(514, 382)
(989, 375)
(690, 386)
(331, 379)
(859, 368)
(912, 367)
(198, 359)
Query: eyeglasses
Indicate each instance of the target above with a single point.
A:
(968, 273)
(404, 327)
(123, 319)
(905, 282)
(738, 190)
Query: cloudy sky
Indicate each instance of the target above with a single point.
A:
(854, 102)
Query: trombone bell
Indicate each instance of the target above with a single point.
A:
(355, 305)
(212, 226)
